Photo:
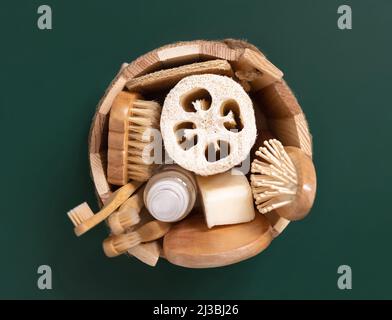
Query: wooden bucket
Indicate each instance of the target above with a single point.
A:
(276, 107)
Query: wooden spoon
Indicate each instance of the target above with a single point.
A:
(191, 244)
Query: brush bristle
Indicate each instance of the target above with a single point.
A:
(274, 180)
(80, 214)
(129, 218)
(121, 243)
(143, 116)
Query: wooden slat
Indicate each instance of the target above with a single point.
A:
(278, 101)
(292, 131)
(257, 70)
(97, 163)
(167, 78)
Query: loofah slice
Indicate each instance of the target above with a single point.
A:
(208, 124)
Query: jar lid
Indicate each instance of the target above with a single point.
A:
(167, 200)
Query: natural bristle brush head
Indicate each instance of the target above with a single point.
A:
(115, 245)
(83, 217)
(131, 130)
(121, 220)
(128, 214)
(80, 213)
(283, 180)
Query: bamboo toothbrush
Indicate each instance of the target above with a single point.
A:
(115, 245)
(83, 217)
(285, 181)
(131, 131)
(128, 213)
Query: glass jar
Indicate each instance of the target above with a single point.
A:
(170, 194)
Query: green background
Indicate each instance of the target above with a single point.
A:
(51, 82)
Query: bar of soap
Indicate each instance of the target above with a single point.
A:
(226, 198)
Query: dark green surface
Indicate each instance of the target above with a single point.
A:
(52, 80)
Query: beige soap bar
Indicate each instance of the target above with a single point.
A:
(226, 198)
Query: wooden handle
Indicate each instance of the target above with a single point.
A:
(136, 201)
(306, 189)
(153, 230)
(115, 200)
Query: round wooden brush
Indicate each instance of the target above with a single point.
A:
(284, 180)
(131, 130)
(119, 244)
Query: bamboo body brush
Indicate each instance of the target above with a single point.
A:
(83, 217)
(283, 180)
(128, 214)
(131, 130)
(119, 244)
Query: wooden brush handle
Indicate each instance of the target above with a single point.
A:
(136, 201)
(114, 201)
(306, 189)
(153, 230)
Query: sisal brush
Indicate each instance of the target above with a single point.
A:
(83, 217)
(284, 181)
(131, 131)
(128, 214)
(118, 244)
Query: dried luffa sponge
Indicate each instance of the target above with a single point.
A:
(284, 181)
(208, 124)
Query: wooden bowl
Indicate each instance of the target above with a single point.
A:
(276, 108)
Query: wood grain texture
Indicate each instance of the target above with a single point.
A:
(98, 172)
(278, 101)
(292, 131)
(277, 222)
(256, 70)
(167, 78)
(147, 252)
(306, 186)
(191, 244)
(117, 172)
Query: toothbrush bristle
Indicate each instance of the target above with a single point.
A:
(80, 213)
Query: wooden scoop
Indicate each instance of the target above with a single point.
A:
(191, 244)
